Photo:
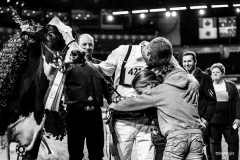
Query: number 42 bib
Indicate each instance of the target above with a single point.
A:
(128, 71)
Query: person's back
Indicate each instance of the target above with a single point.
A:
(174, 112)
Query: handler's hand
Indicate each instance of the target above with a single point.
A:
(118, 99)
(205, 122)
(111, 106)
(192, 93)
(237, 122)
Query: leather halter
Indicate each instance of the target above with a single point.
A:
(54, 52)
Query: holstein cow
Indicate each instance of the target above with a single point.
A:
(30, 78)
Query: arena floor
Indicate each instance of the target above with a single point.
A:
(61, 153)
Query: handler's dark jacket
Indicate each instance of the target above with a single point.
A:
(106, 89)
(234, 99)
(207, 97)
(85, 89)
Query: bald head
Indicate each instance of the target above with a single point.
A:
(86, 42)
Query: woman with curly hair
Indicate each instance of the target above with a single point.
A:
(226, 118)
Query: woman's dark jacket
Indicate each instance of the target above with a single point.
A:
(234, 100)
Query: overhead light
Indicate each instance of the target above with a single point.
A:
(178, 8)
(238, 10)
(33, 12)
(28, 14)
(79, 15)
(110, 18)
(120, 12)
(1, 11)
(201, 12)
(25, 11)
(140, 11)
(236, 5)
(59, 14)
(88, 15)
(22, 4)
(174, 14)
(219, 6)
(168, 14)
(47, 16)
(158, 10)
(8, 1)
(198, 7)
(142, 16)
(17, 3)
(50, 13)
(76, 17)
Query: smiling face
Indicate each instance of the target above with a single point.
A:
(188, 63)
(86, 42)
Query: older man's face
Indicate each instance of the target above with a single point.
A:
(87, 44)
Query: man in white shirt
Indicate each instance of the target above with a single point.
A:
(125, 62)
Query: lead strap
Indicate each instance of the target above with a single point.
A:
(122, 72)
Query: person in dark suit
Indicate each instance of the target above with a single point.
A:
(84, 99)
(207, 97)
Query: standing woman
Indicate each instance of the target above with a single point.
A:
(226, 119)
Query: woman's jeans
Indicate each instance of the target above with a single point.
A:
(184, 147)
(231, 137)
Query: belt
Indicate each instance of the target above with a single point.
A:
(89, 108)
(128, 115)
(184, 131)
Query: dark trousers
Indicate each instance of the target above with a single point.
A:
(158, 141)
(85, 125)
(231, 137)
(159, 150)
(206, 141)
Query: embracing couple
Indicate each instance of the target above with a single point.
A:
(178, 117)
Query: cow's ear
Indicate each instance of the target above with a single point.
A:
(74, 33)
(42, 33)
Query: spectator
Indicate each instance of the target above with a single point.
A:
(226, 119)
(207, 97)
(84, 97)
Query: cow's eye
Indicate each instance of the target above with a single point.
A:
(25, 37)
(51, 35)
